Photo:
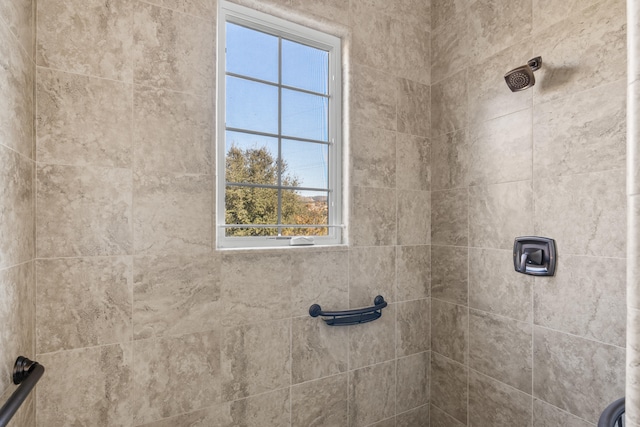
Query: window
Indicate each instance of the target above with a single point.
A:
(278, 134)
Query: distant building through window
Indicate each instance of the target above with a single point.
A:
(279, 132)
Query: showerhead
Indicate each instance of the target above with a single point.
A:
(522, 78)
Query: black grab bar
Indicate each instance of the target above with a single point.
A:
(613, 415)
(26, 373)
(351, 317)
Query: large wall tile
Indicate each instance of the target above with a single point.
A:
(496, 288)
(373, 97)
(413, 162)
(83, 302)
(594, 288)
(499, 213)
(414, 108)
(450, 330)
(592, 51)
(371, 394)
(19, 16)
(333, 10)
(585, 213)
(172, 131)
(375, 37)
(83, 211)
(256, 358)
(372, 272)
(494, 404)
(414, 417)
(413, 272)
(439, 418)
(442, 11)
(412, 388)
(83, 120)
(449, 107)
(449, 217)
(205, 9)
(451, 47)
(373, 156)
(450, 273)
(317, 350)
(450, 160)
(547, 12)
(89, 37)
(175, 294)
(17, 79)
(175, 375)
(373, 343)
(172, 213)
(373, 217)
(449, 389)
(17, 220)
(501, 348)
(414, 217)
(160, 58)
(632, 386)
(413, 327)
(79, 399)
(577, 375)
(321, 403)
(501, 150)
(545, 415)
(255, 287)
(412, 49)
(582, 132)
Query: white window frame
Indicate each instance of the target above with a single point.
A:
(230, 12)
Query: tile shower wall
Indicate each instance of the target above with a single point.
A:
(17, 190)
(139, 320)
(509, 349)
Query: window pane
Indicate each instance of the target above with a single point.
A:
(252, 53)
(304, 207)
(305, 67)
(251, 158)
(251, 105)
(307, 162)
(304, 115)
(249, 205)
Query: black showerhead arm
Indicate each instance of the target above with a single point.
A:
(535, 63)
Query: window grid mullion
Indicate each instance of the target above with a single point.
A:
(279, 135)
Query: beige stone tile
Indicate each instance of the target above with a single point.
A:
(585, 214)
(413, 162)
(175, 375)
(414, 217)
(83, 302)
(633, 134)
(255, 359)
(545, 415)
(317, 350)
(373, 157)
(83, 120)
(79, 399)
(501, 348)
(255, 287)
(501, 150)
(633, 252)
(499, 213)
(451, 49)
(389, 422)
(160, 58)
(413, 272)
(576, 375)
(371, 394)
(371, 272)
(592, 52)
(442, 11)
(17, 314)
(547, 12)
(492, 403)
(495, 288)
(373, 217)
(16, 208)
(412, 389)
(173, 213)
(415, 417)
(26, 415)
(373, 98)
(375, 37)
(413, 328)
(319, 278)
(632, 383)
(205, 9)
(414, 107)
(489, 96)
(598, 307)
(449, 217)
(172, 131)
(450, 330)
(174, 295)
(449, 106)
(449, 391)
(450, 160)
(321, 403)
(17, 78)
(450, 274)
(83, 211)
(412, 50)
(333, 10)
(89, 37)
(582, 132)
(372, 342)
(19, 17)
